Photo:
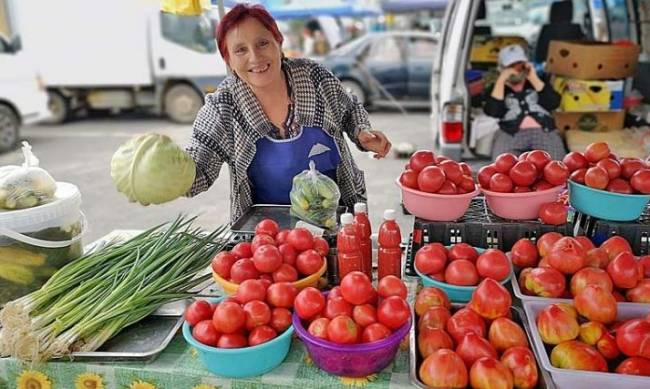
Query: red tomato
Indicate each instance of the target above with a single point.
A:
(620, 185)
(343, 330)
(285, 273)
(281, 294)
(634, 366)
(242, 250)
(421, 159)
(578, 176)
(490, 300)
(261, 240)
(431, 258)
(250, 290)
(463, 322)
(268, 227)
(242, 270)
(539, 158)
(553, 213)
(473, 347)
(442, 158)
(321, 246)
(430, 297)
(500, 183)
(235, 340)
(448, 188)
(596, 177)
(257, 314)
(522, 189)
(261, 334)
(645, 261)
(336, 307)
(364, 315)
(524, 253)
(267, 258)
(435, 317)
(640, 181)
(523, 156)
(205, 333)
(612, 167)
(633, 338)
(335, 292)
(356, 288)
(198, 311)
(393, 312)
(375, 332)
(391, 286)
(431, 179)
(308, 303)
(281, 237)
(318, 327)
(222, 263)
(629, 166)
(453, 171)
(409, 178)
(542, 185)
(463, 251)
(288, 254)
(309, 262)
(545, 242)
(301, 239)
(280, 319)
(467, 183)
(266, 279)
(467, 170)
(597, 151)
(229, 317)
(575, 160)
(493, 263)
(484, 175)
(556, 173)
(524, 173)
(504, 162)
(461, 272)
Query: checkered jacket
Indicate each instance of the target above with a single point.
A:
(231, 121)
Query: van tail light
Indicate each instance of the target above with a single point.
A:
(452, 123)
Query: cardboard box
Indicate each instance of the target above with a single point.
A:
(590, 121)
(589, 96)
(486, 49)
(592, 60)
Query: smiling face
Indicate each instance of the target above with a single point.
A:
(254, 55)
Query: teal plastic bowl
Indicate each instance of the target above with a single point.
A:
(606, 205)
(456, 293)
(242, 362)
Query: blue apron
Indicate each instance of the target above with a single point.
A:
(277, 161)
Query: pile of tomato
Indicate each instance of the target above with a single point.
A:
(437, 174)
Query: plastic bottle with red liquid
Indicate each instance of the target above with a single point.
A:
(347, 246)
(389, 257)
(364, 230)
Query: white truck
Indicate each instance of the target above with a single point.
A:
(120, 54)
(22, 94)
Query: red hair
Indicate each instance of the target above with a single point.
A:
(237, 15)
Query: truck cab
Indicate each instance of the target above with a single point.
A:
(23, 99)
(456, 103)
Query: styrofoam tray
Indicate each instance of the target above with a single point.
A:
(576, 379)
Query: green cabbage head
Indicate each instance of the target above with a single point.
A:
(152, 169)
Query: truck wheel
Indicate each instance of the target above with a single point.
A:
(9, 128)
(59, 107)
(182, 103)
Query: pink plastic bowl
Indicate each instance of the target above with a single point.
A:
(520, 206)
(433, 206)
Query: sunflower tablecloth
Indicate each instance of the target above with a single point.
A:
(179, 367)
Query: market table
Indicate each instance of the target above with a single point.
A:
(178, 367)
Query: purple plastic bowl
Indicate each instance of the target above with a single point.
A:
(351, 360)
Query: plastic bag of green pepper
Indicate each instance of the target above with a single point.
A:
(315, 197)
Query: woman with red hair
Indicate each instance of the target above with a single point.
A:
(272, 116)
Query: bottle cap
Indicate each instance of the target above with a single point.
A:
(347, 218)
(389, 214)
(360, 208)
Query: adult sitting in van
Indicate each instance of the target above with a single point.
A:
(523, 103)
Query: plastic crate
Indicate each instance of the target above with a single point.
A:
(479, 228)
(636, 232)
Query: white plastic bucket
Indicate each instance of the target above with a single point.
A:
(35, 242)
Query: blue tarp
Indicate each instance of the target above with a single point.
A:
(288, 9)
(413, 5)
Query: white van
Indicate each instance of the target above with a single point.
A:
(23, 99)
(454, 111)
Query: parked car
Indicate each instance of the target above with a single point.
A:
(23, 99)
(383, 67)
(452, 115)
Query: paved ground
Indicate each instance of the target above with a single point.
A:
(80, 152)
